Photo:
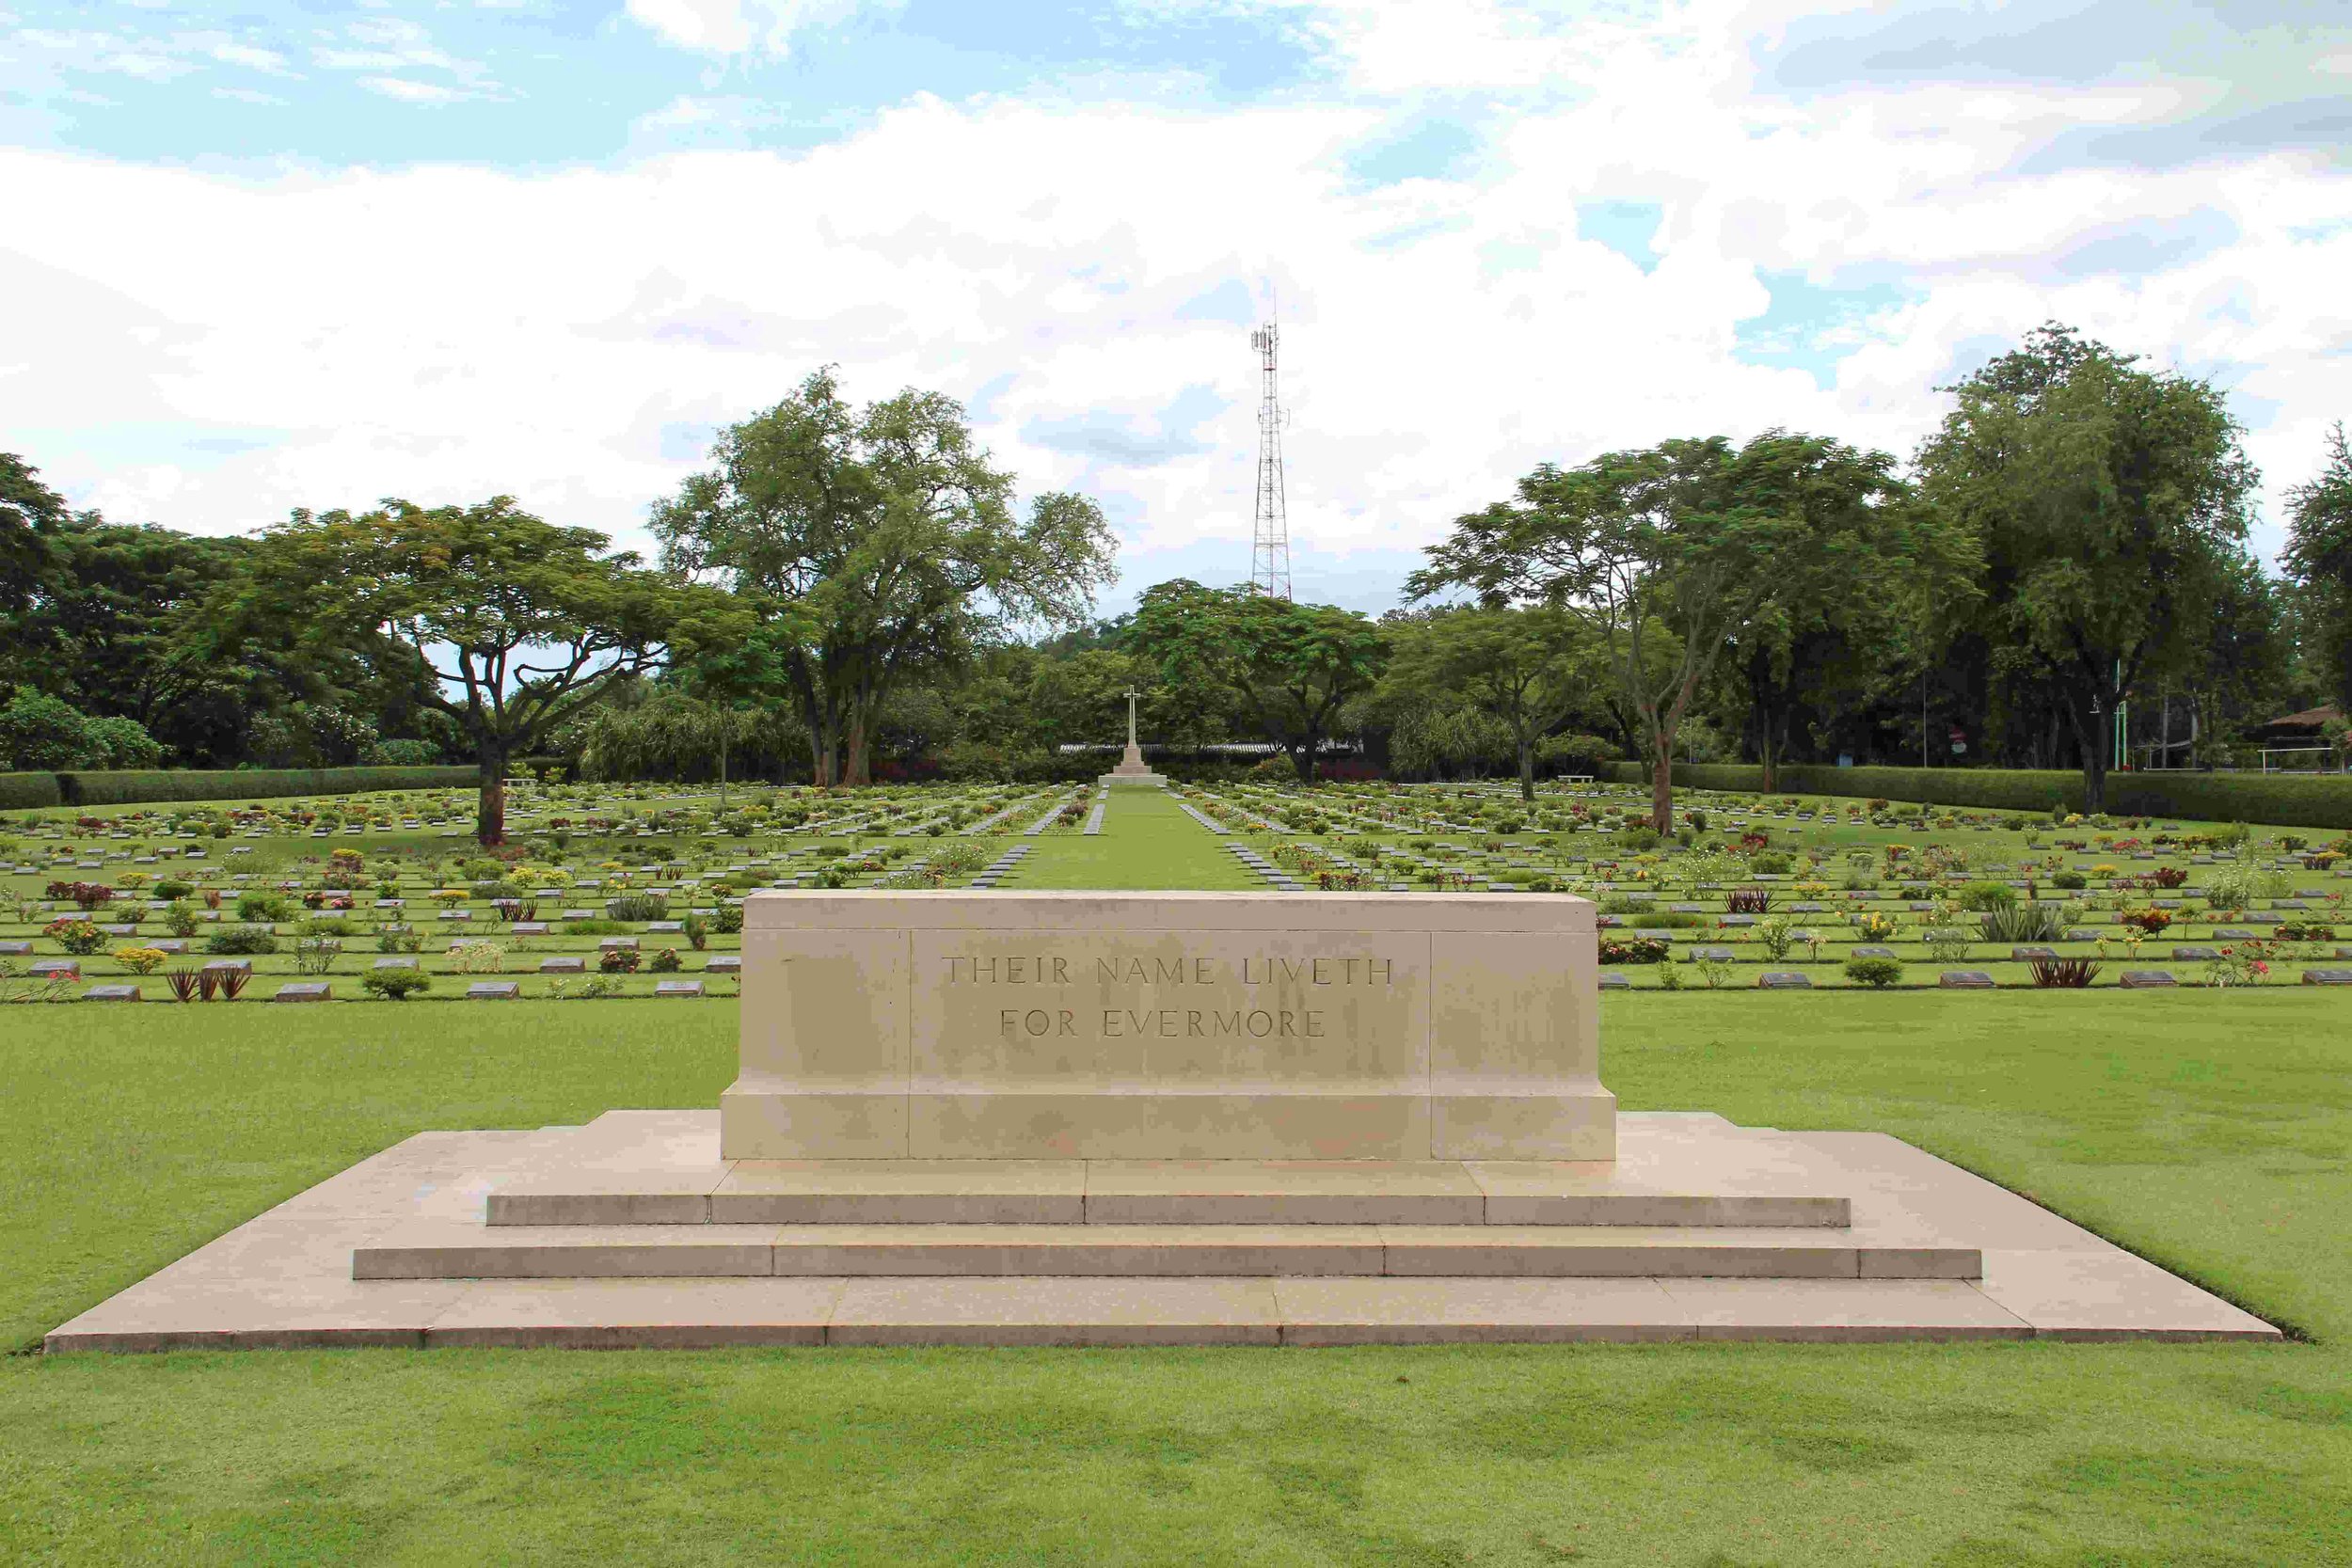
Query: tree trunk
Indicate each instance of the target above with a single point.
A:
(722, 771)
(1527, 772)
(1303, 759)
(2098, 749)
(490, 808)
(1662, 784)
(857, 768)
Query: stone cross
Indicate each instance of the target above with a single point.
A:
(1130, 695)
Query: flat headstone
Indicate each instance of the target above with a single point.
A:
(1873, 950)
(2235, 933)
(112, 993)
(2141, 979)
(1784, 979)
(1966, 980)
(578, 915)
(56, 969)
(395, 963)
(457, 915)
(2327, 977)
(493, 990)
(2029, 953)
(305, 991)
(724, 963)
(610, 944)
(530, 927)
(222, 966)
(1712, 954)
(1615, 982)
(563, 965)
(678, 987)
(118, 930)
(15, 949)
(2188, 954)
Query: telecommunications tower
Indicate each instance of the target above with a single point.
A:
(1270, 549)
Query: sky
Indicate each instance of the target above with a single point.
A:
(259, 255)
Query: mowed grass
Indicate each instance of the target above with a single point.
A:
(2212, 1131)
(1147, 842)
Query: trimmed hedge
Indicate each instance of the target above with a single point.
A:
(26, 791)
(2276, 799)
(145, 786)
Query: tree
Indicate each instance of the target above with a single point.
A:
(885, 542)
(1289, 666)
(2319, 557)
(1685, 541)
(672, 733)
(2110, 502)
(30, 512)
(1527, 669)
(513, 625)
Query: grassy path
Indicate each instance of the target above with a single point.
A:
(1147, 842)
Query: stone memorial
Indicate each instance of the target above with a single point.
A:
(1132, 769)
(1181, 1025)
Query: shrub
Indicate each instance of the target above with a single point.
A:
(140, 961)
(592, 928)
(637, 907)
(697, 932)
(237, 940)
(395, 984)
(178, 919)
(618, 961)
(29, 791)
(666, 962)
(102, 788)
(1874, 973)
(1636, 840)
(1983, 897)
(1632, 950)
(76, 936)
(2068, 879)
(1770, 863)
(263, 906)
(2150, 921)
(1669, 920)
(2024, 923)
(1749, 900)
(2064, 974)
(728, 920)
(315, 955)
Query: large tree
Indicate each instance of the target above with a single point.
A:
(1526, 669)
(1291, 667)
(29, 512)
(513, 625)
(890, 541)
(1684, 543)
(2111, 502)
(2319, 555)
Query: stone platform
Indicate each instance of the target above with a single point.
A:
(633, 1231)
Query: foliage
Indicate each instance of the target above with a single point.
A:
(508, 624)
(1671, 553)
(2064, 974)
(2319, 556)
(1874, 973)
(76, 936)
(395, 984)
(618, 961)
(239, 940)
(1290, 666)
(1633, 950)
(870, 545)
(2112, 505)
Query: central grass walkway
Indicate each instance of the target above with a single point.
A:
(1147, 842)
(2210, 1130)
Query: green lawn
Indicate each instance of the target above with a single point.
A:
(2209, 1130)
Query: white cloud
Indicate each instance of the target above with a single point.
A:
(1070, 269)
(268, 61)
(409, 91)
(742, 26)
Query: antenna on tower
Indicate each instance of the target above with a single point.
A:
(1270, 547)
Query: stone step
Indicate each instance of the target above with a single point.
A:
(872, 1192)
(450, 1249)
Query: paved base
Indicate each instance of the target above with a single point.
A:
(1417, 1256)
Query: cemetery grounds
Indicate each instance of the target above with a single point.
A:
(2206, 1125)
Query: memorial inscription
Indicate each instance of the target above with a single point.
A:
(1168, 1026)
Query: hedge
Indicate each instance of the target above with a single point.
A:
(2277, 799)
(137, 786)
(24, 791)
